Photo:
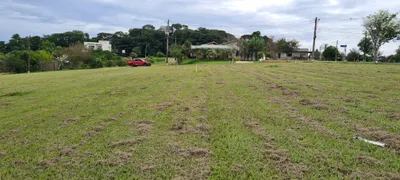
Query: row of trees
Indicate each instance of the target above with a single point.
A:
(74, 56)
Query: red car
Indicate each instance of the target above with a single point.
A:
(139, 62)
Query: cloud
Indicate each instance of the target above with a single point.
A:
(339, 19)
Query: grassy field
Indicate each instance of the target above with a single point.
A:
(233, 121)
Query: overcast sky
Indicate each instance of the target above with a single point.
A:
(339, 19)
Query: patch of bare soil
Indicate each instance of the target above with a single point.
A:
(251, 124)
(70, 121)
(149, 168)
(314, 88)
(350, 100)
(120, 158)
(49, 163)
(377, 134)
(4, 105)
(202, 118)
(394, 116)
(67, 151)
(18, 161)
(195, 152)
(144, 126)
(252, 87)
(314, 105)
(128, 142)
(367, 160)
(2, 154)
(221, 82)
(290, 93)
(373, 175)
(178, 126)
(117, 117)
(14, 131)
(282, 161)
(162, 106)
(203, 127)
(190, 152)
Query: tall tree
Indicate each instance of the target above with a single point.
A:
(35, 43)
(3, 47)
(16, 43)
(398, 50)
(381, 27)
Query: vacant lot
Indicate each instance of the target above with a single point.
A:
(242, 121)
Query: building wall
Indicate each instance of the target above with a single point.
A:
(104, 45)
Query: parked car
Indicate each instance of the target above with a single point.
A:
(139, 62)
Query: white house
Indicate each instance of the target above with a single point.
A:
(103, 45)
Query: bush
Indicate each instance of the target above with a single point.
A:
(108, 63)
(150, 59)
(395, 58)
(160, 54)
(121, 63)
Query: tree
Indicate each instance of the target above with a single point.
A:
(35, 43)
(79, 56)
(38, 58)
(3, 47)
(176, 51)
(16, 61)
(398, 50)
(48, 46)
(395, 58)
(137, 51)
(287, 46)
(353, 55)
(256, 44)
(330, 53)
(366, 45)
(16, 43)
(381, 27)
(187, 48)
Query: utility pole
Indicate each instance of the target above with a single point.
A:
(166, 54)
(315, 37)
(336, 55)
(29, 54)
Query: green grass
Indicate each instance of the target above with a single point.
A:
(232, 121)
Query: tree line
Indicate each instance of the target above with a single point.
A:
(380, 28)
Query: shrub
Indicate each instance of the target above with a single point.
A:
(121, 63)
(160, 54)
(395, 58)
(108, 63)
(150, 59)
